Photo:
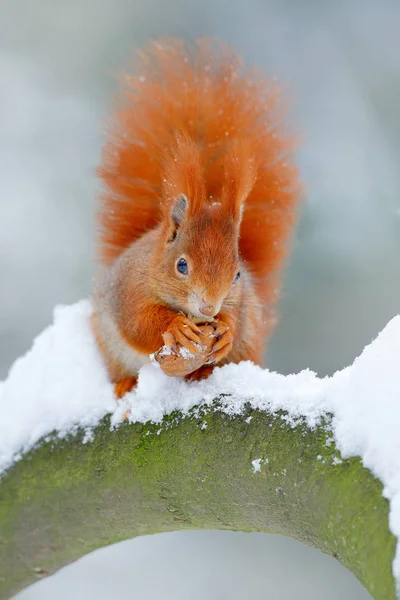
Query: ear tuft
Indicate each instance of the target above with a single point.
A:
(178, 209)
(177, 214)
(240, 176)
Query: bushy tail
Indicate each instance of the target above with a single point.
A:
(233, 116)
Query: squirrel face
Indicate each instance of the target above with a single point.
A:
(200, 263)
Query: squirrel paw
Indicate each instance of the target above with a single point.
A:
(183, 331)
(223, 344)
(201, 373)
(124, 386)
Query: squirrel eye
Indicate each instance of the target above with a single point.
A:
(237, 277)
(182, 266)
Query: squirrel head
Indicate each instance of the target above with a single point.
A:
(199, 262)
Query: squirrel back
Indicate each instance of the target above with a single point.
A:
(194, 121)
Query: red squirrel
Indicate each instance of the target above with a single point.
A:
(199, 201)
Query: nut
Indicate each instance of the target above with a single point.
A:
(182, 362)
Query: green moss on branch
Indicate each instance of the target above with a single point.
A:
(66, 498)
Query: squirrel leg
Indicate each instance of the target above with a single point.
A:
(124, 386)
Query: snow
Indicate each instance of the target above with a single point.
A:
(61, 384)
(185, 353)
(58, 385)
(256, 464)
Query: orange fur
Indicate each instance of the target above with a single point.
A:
(183, 173)
(124, 386)
(193, 121)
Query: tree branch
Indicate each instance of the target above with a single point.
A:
(204, 471)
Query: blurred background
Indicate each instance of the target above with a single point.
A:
(340, 62)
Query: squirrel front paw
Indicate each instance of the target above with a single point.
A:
(184, 332)
(223, 343)
(178, 361)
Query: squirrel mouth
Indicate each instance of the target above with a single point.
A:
(202, 319)
(195, 305)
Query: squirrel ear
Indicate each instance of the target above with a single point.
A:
(177, 215)
(240, 177)
(239, 215)
(178, 210)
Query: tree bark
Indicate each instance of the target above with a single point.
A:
(66, 498)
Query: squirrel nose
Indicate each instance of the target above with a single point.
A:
(207, 309)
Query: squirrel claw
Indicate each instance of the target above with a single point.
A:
(169, 341)
(223, 344)
(216, 357)
(221, 329)
(183, 331)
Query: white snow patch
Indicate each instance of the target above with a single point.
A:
(165, 351)
(257, 462)
(185, 353)
(61, 384)
(256, 465)
(58, 385)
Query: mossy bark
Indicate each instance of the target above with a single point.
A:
(66, 498)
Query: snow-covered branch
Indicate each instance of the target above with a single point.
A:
(248, 449)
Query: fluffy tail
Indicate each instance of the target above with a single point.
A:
(234, 151)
